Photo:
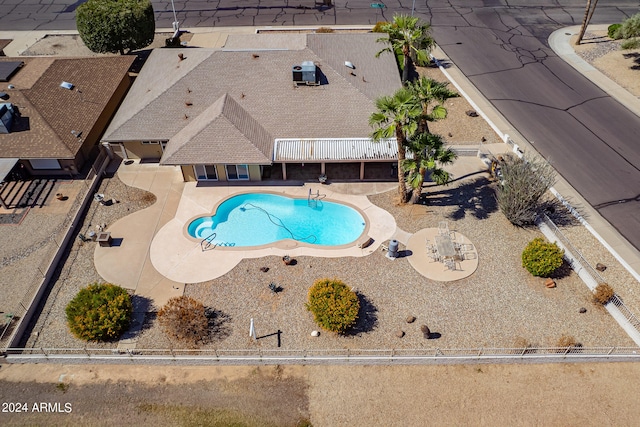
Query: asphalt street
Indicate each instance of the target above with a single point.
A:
(501, 46)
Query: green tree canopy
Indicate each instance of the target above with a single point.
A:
(411, 37)
(432, 94)
(429, 154)
(111, 26)
(397, 116)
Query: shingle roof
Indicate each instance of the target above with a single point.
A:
(244, 141)
(260, 81)
(49, 112)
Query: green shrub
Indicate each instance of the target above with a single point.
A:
(380, 27)
(630, 44)
(630, 27)
(603, 293)
(334, 306)
(542, 258)
(613, 31)
(99, 312)
(185, 319)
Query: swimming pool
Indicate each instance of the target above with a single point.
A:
(256, 219)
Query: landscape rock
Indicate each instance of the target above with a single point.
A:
(601, 267)
(400, 334)
(471, 113)
(411, 319)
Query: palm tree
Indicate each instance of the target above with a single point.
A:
(429, 154)
(408, 35)
(588, 13)
(429, 92)
(397, 116)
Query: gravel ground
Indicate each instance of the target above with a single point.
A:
(78, 269)
(495, 307)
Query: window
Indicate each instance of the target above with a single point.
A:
(44, 164)
(237, 172)
(206, 172)
(150, 142)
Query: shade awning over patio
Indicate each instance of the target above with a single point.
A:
(6, 165)
(291, 150)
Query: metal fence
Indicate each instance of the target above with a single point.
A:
(328, 356)
(580, 262)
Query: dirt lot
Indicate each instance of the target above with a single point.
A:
(495, 395)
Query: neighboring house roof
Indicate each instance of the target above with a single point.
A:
(169, 94)
(243, 141)
(49, 113)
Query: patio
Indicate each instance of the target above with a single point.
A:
(441, 254)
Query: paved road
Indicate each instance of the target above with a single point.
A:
(589, 137)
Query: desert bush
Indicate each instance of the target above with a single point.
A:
(334, 306)
(380, 27)
(630, 27)
(567, 342)
(633, 43)
(603, 294)
(99, 312)
(613, 31)
(542, 258)
(523, 185)
(185, 319)
(522, 345)
(325, 30)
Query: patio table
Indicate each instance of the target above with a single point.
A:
(445, 247)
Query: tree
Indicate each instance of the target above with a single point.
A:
(397, 116)
(429, 154)
(430, 92)
(588, 13)
(524, 183)
(99, 312)
(111, 26)
(185, 319)
(409, 36)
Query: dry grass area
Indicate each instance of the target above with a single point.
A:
(554, 394)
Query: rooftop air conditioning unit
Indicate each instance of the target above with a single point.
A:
(305, 73)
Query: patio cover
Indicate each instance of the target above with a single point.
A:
(289, 150)
(5, 168)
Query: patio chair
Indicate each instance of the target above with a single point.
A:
(466, 247)
(443, 228)
(434, 256)
(469, 255)
(450, 264)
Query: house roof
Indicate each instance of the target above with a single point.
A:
(49, 113)
(169, 94)
(245, 141)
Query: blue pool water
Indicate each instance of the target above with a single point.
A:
(259, 219)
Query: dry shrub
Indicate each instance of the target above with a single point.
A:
(324, 30)
(185, 319)
(603, 294)
(567, 342)
(522, 345)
